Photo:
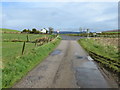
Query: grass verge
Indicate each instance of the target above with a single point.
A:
(108, 51)
(15, 70)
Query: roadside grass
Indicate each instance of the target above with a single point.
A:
(16, 69)
(13, 36)
(107, 51)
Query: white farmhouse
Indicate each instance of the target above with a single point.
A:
(98, 32)
(44, 30)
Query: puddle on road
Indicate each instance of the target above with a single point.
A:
(79, 57)
(89, 65)
(89, 78)
(34, 78)
(56, 52)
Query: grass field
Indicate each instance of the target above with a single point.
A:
(105, 53)
(23, 37)
(8, 30)
(104, 34)
(112, 32)
(12, 50)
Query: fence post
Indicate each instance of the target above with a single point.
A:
(27, 38)
(36, 43)
(23, 48)
(47, 40)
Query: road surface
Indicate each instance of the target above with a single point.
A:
(68, 66)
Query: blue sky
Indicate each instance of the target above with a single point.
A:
(98, 16)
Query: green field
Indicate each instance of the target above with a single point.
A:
(13, 50)
(8, 30)
(112, 32)
(106, 55)
(22, 37)
(103, 34)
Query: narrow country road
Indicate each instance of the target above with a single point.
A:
(68, 66)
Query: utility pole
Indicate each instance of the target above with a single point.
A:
(87, 33)
(80, 29)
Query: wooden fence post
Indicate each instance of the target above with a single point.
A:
(27, 38)
(36, 43)
(23, 48)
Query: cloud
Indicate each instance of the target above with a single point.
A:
(59, 0)
(94, 15)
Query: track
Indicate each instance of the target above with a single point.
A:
(68, 66)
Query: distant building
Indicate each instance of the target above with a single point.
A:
(58, 31)
(44, 30)
(98, 32)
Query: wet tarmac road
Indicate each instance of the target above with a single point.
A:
(68, 66)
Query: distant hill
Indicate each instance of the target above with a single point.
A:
(8, 30)
(112, 31)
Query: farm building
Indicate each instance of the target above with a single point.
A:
(44, 30)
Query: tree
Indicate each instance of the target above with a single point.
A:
(24, 30)
(46, 31)
(28, 30)
(80, 29)
(37, 32)
(34, 30)
(87, 32)
(50, 30)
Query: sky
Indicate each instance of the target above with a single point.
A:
(64, 16)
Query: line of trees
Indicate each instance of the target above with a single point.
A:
(35, 31)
